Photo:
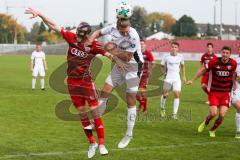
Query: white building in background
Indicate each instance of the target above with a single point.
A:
(160, 36)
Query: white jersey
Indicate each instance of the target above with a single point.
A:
(172, 64)
(130, 43)
(38, 58)
(238, 65)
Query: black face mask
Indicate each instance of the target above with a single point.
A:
(82, 32)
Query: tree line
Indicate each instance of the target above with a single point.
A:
(145, 23)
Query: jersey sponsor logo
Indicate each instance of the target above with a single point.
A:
(78, 53)
(223, 73)
(133, 45)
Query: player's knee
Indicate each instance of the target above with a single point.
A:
(177, 94)
(213, 114)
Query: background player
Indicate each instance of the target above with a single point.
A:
(235, 96)
(127, 40)
(205, 59)
(38, 66)
(171, 63)
(223, 73)
(81, 52)
(148, 65)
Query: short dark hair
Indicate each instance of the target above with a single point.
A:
(142, 39)
(210, 44)
(176, 43)
(38, 44)
(123, 23)
(227, 48)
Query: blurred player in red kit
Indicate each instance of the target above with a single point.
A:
(205, 59)
(223, 73)
(148, 65)
(81, 87)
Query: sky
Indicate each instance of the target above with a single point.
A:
(72, 12)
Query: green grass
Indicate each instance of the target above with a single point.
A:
(30, 130)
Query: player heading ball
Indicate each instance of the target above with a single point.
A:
(81, 52)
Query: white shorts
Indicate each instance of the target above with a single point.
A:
(37, 70)
(117, 78)
(235, 96)
(170, 84)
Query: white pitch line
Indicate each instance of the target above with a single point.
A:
(45, 154)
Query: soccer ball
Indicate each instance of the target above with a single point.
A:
(124, 10)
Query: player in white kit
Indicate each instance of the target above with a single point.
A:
(235, 96)
(38, 66)
(128, 50)
(171, 64)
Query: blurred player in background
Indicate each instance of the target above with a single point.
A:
(81, 87)
(235, 96)
(38, 66)
(128, 50)
(222, 71)
(148, 65)
(171, 65)
(205, 59)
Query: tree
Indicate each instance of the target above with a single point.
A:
(157, 21)
(153, 22)
(138, 20)
(42, 28)
(168, 22)
(34, 33)
(185, 26)
(10, 30)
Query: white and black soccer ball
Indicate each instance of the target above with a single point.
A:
(124, 10)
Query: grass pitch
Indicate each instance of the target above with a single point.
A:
(30, 129)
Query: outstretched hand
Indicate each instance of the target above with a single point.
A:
(189, 82)
(32, 11)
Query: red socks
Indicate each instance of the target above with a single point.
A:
(142, 103)
(208, 119)
(217, 123)
(100, 130)
(88, 132)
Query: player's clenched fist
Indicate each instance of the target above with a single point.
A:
(110, 46)
(189, 82)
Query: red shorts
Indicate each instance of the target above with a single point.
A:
(219, 99)
(81, 91)
(204, 79)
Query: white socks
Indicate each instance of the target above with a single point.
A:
(175, 105)
(42, 83)
(163, 101)
(34, 83)
(238, 122)
(131, 118)
(102, 103)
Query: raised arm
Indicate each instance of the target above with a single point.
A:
(198, 74)
(95, 35)
(45, 19)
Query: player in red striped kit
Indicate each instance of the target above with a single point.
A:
(223, 73)
(146, 72)
(81, 87)
(205, 59)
